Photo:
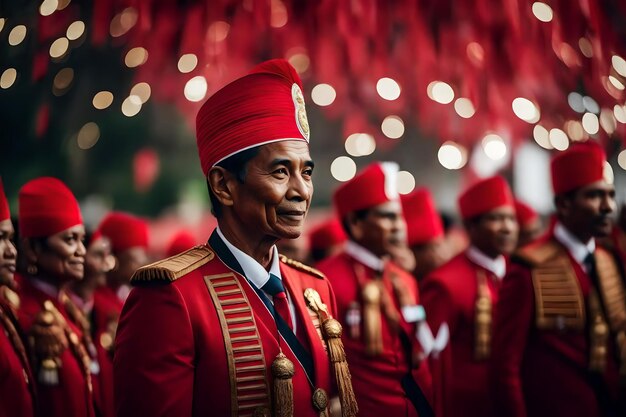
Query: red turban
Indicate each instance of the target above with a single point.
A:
(582, 164)
(484, 196)
(4, 204)
(375, 185)
(125, 231)
(180, 242)
(422, 220)
(525, 213)
(326, 235)
(46, 207)
(264, 106)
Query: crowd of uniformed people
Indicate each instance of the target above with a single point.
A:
(514, 315)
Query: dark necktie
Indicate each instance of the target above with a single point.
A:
(275, 288)
(590, 266)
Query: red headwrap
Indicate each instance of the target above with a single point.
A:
(125, 231)
(4, 204)
(484, 196)
(180, 242)
(422, 220)
(264, 106)
(525, 213)
(47, 207)
(375, 185)
(582, 164)
(327, 234)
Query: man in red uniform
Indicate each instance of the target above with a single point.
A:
(326, 239)
(462, 295)
(530, 226)
(129, 242)
(425, 234)
(16, 381)
(51, 241)
(230, 327)
(377, 301)
(560, 329)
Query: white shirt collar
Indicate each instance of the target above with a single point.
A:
(497, 266)
(576, 248)
(253, 270)
(364, 256)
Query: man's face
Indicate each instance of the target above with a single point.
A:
(128, 262)
(495, 232)
(99, 260)
(381, 230)
(430, 255)
(588, 211)
(8, 254)
(274, 199)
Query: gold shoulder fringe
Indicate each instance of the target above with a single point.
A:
(302, 267)
(539, 253)
(170, 269)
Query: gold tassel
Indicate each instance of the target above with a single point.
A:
(482, 321)
(283, 370)
(599, 335)
(371, 319)
(332, 332)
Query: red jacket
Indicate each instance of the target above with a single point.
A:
(15, 376)
(104, 317)
(72, 396)
(376, 380)
(543, 373)
(449, 296)
(170, 354)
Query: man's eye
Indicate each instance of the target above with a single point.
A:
(308, 172)
(281, 171)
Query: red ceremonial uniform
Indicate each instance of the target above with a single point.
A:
(544, 372)
(449, 296)
(377, 380)
(15, 375)
(72, 396)
(172, 350)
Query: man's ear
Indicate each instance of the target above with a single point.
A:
(355, 225)
(219, 180)
(562, 205)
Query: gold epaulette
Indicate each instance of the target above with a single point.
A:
(302, 267)
(11, 297)
(170, 269)
(537, 254)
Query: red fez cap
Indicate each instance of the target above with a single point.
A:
(525, 213)
(422, 220)
(4, 204)
(47, 207)
(264, 106)
(484, 196)
(125, 231)
(374, 185)
(580, 165)
(327, 234)
(180, 242)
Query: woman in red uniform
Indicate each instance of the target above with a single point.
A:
(15, 375)
(52, 233)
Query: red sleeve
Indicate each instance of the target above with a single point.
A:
(437, 302)
(154, 351)
(510, 334)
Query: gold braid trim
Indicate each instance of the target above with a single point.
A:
(482, 318)
(302, 267)
(559, 302)
(611, 289)
(332, 333)
(249, 390)
(170, 269)
(598, 334)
